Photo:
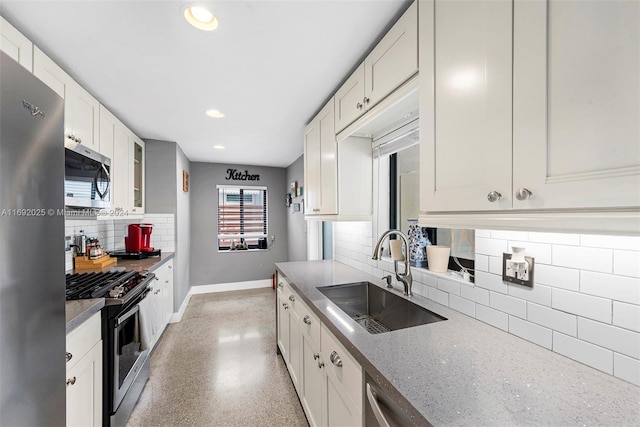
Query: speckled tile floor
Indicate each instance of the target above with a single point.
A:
(218, 367)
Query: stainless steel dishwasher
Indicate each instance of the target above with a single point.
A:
(380, 409)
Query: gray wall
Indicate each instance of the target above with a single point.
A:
(164, 163)
(210, 267)
(296, 224)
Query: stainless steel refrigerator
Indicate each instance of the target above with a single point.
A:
(32, 276)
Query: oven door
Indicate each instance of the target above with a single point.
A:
(128, 356)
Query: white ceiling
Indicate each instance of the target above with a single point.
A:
(269, 66)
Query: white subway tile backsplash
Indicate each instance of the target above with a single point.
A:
(540, 251)
(495, 265)
(590, 259)
(476, 294)
(490, 247)
(555, 238)
(626, 316)
(553, 319)
(507, 304)
(607, 336)
(509, 235)
(438, 296)
(492, 317)
(462, 305)
(483, 233)
(620, 288)
(583, 352)
(626, 368)
(531, 332)
(449, 286)
(539, 294)
(626, 263)
(557, 277)
(583, 305)
(482, 262)
(492, 282)
(631, 243)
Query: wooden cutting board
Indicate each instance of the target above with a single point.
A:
(85, 263)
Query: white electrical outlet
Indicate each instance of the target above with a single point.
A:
(517, 272)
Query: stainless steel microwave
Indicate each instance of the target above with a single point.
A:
(87, 177)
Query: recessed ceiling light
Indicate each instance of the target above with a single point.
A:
(219, 147)
(215, 114)
(201, 18)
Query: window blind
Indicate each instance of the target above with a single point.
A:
(242, 214)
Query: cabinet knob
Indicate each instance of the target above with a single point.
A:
(69, 356)
(307, 319)
(292, 298)
(366, 100)
(359, 105)
(316, 356)
(71, 381)
(286, 307)
(320, 365)
(280, 285)
(316, 210)
(494, 196)
(335, 359)
(170, 267)
(523, 194)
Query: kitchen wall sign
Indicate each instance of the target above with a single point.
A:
(236, 175)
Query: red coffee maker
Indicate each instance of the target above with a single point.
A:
(138, 238)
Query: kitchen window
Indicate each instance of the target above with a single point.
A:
(242, 217)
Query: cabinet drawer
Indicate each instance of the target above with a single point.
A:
(350, 373)
(83, 338)
(309, 322)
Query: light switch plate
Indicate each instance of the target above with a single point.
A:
(520, 276)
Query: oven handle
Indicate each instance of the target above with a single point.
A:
(128, 314)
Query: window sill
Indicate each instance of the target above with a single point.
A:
(450, 274)
(223, 251)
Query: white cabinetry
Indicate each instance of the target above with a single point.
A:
(327, 378)
(321, 164)
(161, 298)
(84, 374)
(392, 62)
(14, 44)
(81, 110)
(576, 94)
(136, 175)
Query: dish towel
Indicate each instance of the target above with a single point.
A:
(148, 314)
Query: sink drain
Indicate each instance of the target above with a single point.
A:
(370, 324)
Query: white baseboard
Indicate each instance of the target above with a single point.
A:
(221, 287)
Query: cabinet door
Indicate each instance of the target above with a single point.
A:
(108, 126)
(84, 389)
(82, 116)
(50, 73)
(339, 409)
(168, 295)
(312, 172)
(283, 327)
(294, 347)
(311, 380)
(349, 100)
(14, 44)
(120, 187)
(394, 59)
(577, 103)
(136, 172)
(465, 104)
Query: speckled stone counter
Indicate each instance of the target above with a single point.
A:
(464, 372)
(80, 310)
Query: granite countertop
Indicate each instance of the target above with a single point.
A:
(78, 311)
(464, 372)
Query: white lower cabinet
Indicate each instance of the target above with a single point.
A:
(162, 300)
(84, 374)
(327, 378)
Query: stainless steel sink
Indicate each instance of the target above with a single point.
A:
(376, 309)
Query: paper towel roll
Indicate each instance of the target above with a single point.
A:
(396, 250)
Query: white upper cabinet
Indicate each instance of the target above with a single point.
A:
(576, 113)
(136, 175)
(465, 104)
(321, 164)
(81, 110)
(392, 62)
(14, 44)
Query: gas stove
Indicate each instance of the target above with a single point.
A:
(116, 287)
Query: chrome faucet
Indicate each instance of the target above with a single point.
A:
(405, 278)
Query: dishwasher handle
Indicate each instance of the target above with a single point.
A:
(375, 407)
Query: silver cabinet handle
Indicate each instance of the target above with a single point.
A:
(366, 100)
(306, 319)
(335, 359)
(523, 194)
(320, 365)
(316, 356)
(286, 307)
(494, 196)
(157, 278)
(359, 106)
(71, 381)
(292, 298)
(69, 356)
(375, 407)
(316, 210)
(280, 285)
